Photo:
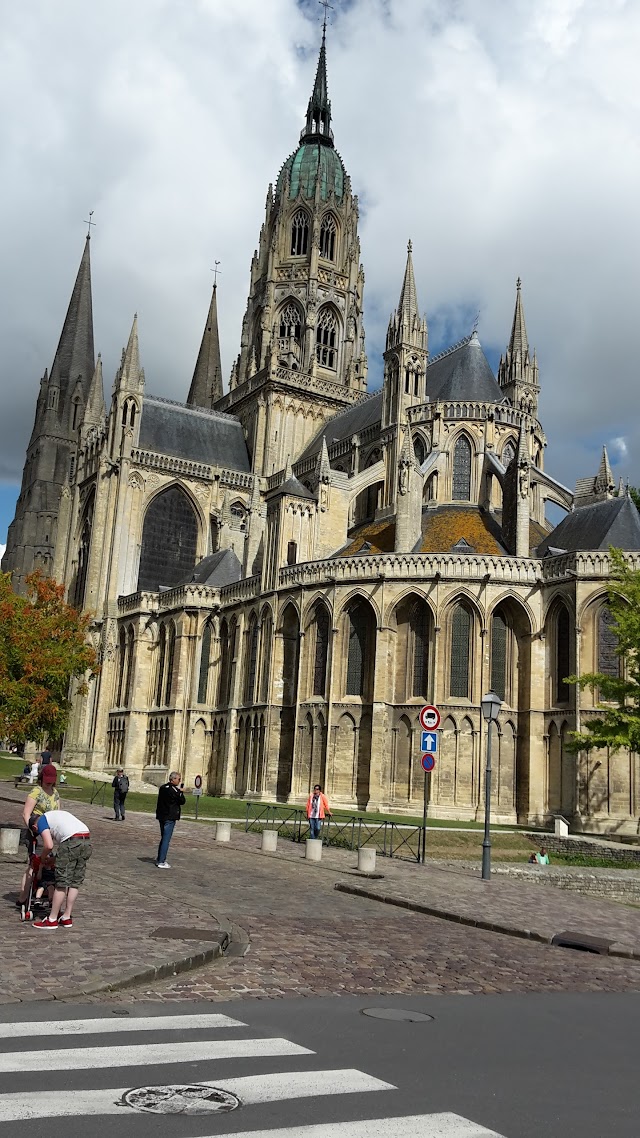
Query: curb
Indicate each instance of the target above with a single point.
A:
(615, 949)
(136, 976)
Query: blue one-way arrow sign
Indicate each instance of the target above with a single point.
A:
(429, 742)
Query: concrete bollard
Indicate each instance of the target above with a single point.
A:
(9, 839)
(223, 831)
(313, 851)
(366, 860)
(269, 841)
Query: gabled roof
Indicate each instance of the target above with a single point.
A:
(193, 433)
(347, 423)
(218, 569)
(463, 373)
(598, 526)
(294, 487)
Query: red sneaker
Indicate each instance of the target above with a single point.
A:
(45, 923)
(65, 922)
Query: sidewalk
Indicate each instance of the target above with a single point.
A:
(216, 891)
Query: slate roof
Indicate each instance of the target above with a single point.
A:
(447, 529)
(295, 487)
(221, 568)
(463, 373)
(347, 423)
(613, 522)
(193, 433)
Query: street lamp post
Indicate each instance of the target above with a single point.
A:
(490, 705)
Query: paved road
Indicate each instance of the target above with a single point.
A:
(509, 1066)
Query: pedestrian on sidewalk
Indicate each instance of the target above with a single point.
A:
(73, 842)
(120, 786)
(45, 757)
(317, 810)
(43, 797)
(170, 800)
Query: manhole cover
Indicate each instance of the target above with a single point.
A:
(181, 1098)
(397, 1014)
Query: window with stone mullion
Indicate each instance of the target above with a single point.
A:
(499, 640)
(205, 655)
(357, 651)
(563, 655)
(460, 650)
(420, 638)
(461, 489)
(321, 650)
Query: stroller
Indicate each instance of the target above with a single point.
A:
(26, 908)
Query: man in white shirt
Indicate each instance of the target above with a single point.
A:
(73, 842)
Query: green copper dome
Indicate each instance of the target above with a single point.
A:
(313, 160)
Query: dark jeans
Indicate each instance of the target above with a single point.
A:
(166, 830)
(315, 826)
(118, 804)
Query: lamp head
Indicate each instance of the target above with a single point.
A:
(490, 705)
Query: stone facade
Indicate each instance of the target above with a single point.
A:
(282, 576)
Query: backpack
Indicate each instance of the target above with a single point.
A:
(123, 784)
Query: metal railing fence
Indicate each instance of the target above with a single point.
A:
(390, 839)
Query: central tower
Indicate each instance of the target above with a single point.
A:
(302, 356)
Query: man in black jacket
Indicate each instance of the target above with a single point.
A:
(170, 799)
(120, 786)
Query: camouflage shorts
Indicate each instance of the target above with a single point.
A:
(71, 862)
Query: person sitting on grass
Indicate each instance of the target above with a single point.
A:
(542, 858)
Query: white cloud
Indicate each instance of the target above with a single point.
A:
(2, 549)
(501, 139)
(619, 449)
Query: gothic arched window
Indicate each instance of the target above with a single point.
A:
(508, 454)
(328, 237)
(321, 651)
(129, 680)
(360, 649)
(83, 552)
(461, 490)
(169, 540)
(224, 689)
(299, 234)
(291, 323)
(499, 639)
(265, 669)
(327, 339)
(252, 660)
(608, 659)
(171, 653)
(162, 652)
(563, 655)
(460, 652)
(419, 449)
(419, 625)
(122, 662)
(205, 656)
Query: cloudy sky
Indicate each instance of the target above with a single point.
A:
(500, 135)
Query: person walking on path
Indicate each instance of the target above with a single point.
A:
(120, 786)
(170, 800)
(73, 840)
(317, 810)
(45, 756)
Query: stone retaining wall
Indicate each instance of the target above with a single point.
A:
(586, 847)
(616, 886)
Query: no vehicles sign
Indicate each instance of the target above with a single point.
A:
(430, 718)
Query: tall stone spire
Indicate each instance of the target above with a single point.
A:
(206, 385)
(130, 375)
(95, 410)
(408, 306)
(604, 478)
(517, 371)
(318, 124)
(75, 358)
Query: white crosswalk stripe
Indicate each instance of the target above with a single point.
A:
(250, 1090)
(410, 1126)
(185, 1094)
(102, 1026)
(146, 1054)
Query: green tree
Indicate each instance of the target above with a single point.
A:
(43, 646)
(618, 725)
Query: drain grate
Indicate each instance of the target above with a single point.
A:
(180, 1098)
(582, 942)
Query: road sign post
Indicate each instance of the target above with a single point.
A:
(429, 718)
(427, 777)
(197, 791)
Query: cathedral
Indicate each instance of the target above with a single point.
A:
(281, 574)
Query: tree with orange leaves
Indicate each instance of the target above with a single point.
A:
(43, 646)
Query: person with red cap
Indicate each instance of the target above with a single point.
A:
(43, 797)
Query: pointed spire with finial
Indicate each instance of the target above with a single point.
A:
(604, 483)
(75, 358)
(519, 342)
(130, 374)
(206, 385)
(517, 372)
(318, 124)
(406, 325)
(95, 410)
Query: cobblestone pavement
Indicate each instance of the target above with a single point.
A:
(305, 938)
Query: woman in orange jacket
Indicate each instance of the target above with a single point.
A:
(317, 810)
